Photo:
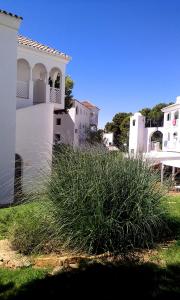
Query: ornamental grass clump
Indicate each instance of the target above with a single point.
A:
(104, 201)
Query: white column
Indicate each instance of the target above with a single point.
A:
(173, 173)
(47, 93)
(62, 88)
(31, 87)
(8, 73)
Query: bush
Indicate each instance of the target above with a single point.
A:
(104, 201)
(97, 201)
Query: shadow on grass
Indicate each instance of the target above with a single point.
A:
(109, 281)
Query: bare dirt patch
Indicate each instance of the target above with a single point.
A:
(10, 258)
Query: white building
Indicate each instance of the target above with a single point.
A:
(141, 137)
(73, 127)
(167, 151)
(108, 138)
(27, 105)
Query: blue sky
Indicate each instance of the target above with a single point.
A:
(125, 53)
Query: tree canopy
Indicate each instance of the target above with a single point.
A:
(69, 84)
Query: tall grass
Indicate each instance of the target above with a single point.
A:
(104, 201)
(95, 201)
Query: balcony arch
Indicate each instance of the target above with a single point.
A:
(55, 82)
(39, 77)
(156, 139)
(23, 78)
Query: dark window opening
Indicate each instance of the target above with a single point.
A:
(58, 121)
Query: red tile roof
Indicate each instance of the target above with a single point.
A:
(10, 14)
(38, 46)
(88, 104)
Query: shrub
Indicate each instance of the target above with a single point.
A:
(32, 230)
(104, 201)
(97, 201)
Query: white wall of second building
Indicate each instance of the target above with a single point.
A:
(108, 138)
(64, 127)
(34, 140)
(8, 66)
(171, 137)
(75, 125)
(137, 134)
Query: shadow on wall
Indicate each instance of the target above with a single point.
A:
(98, 281)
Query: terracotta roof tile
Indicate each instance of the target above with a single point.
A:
(88, 104)
(38, 46)
(10, 14)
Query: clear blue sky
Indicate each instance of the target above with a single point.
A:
(125, 53)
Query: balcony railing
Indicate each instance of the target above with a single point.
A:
(55, 95)
(22, 90)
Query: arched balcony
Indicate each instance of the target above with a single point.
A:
(39, 77)
(55, 83)
(23, 79)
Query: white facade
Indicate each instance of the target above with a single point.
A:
(8, 61)
(27, 103)
(73, 128)
(140, 136)
(108, 138)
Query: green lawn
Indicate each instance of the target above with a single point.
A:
(12, 280)
(170, 253)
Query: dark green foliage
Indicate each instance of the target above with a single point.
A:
(120, 127)
(154, 116)
(95, 137)
(69, 84)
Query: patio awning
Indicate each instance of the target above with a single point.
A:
(172, 163)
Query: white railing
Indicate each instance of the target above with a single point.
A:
(22, 90)
(55, 95)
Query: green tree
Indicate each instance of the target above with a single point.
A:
(69, 84)
(154, 116)
(95, 137)
(120, 127)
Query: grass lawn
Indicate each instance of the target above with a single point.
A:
(12, 280)
(102, 281)
(170, 253)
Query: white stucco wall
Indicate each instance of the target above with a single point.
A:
(34, 140)
(137, 134)
(108, 138)
(94, 113)
(169, 142)
(8, 62)
(75, 125)
(66, 129)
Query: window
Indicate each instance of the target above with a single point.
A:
(132, 151)
(76, 131)
(176, 115)
(58, 121)
(169, 136)
(134, 122)
(57, 138)
(77, 110)
(168, 116)
(175, 135)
